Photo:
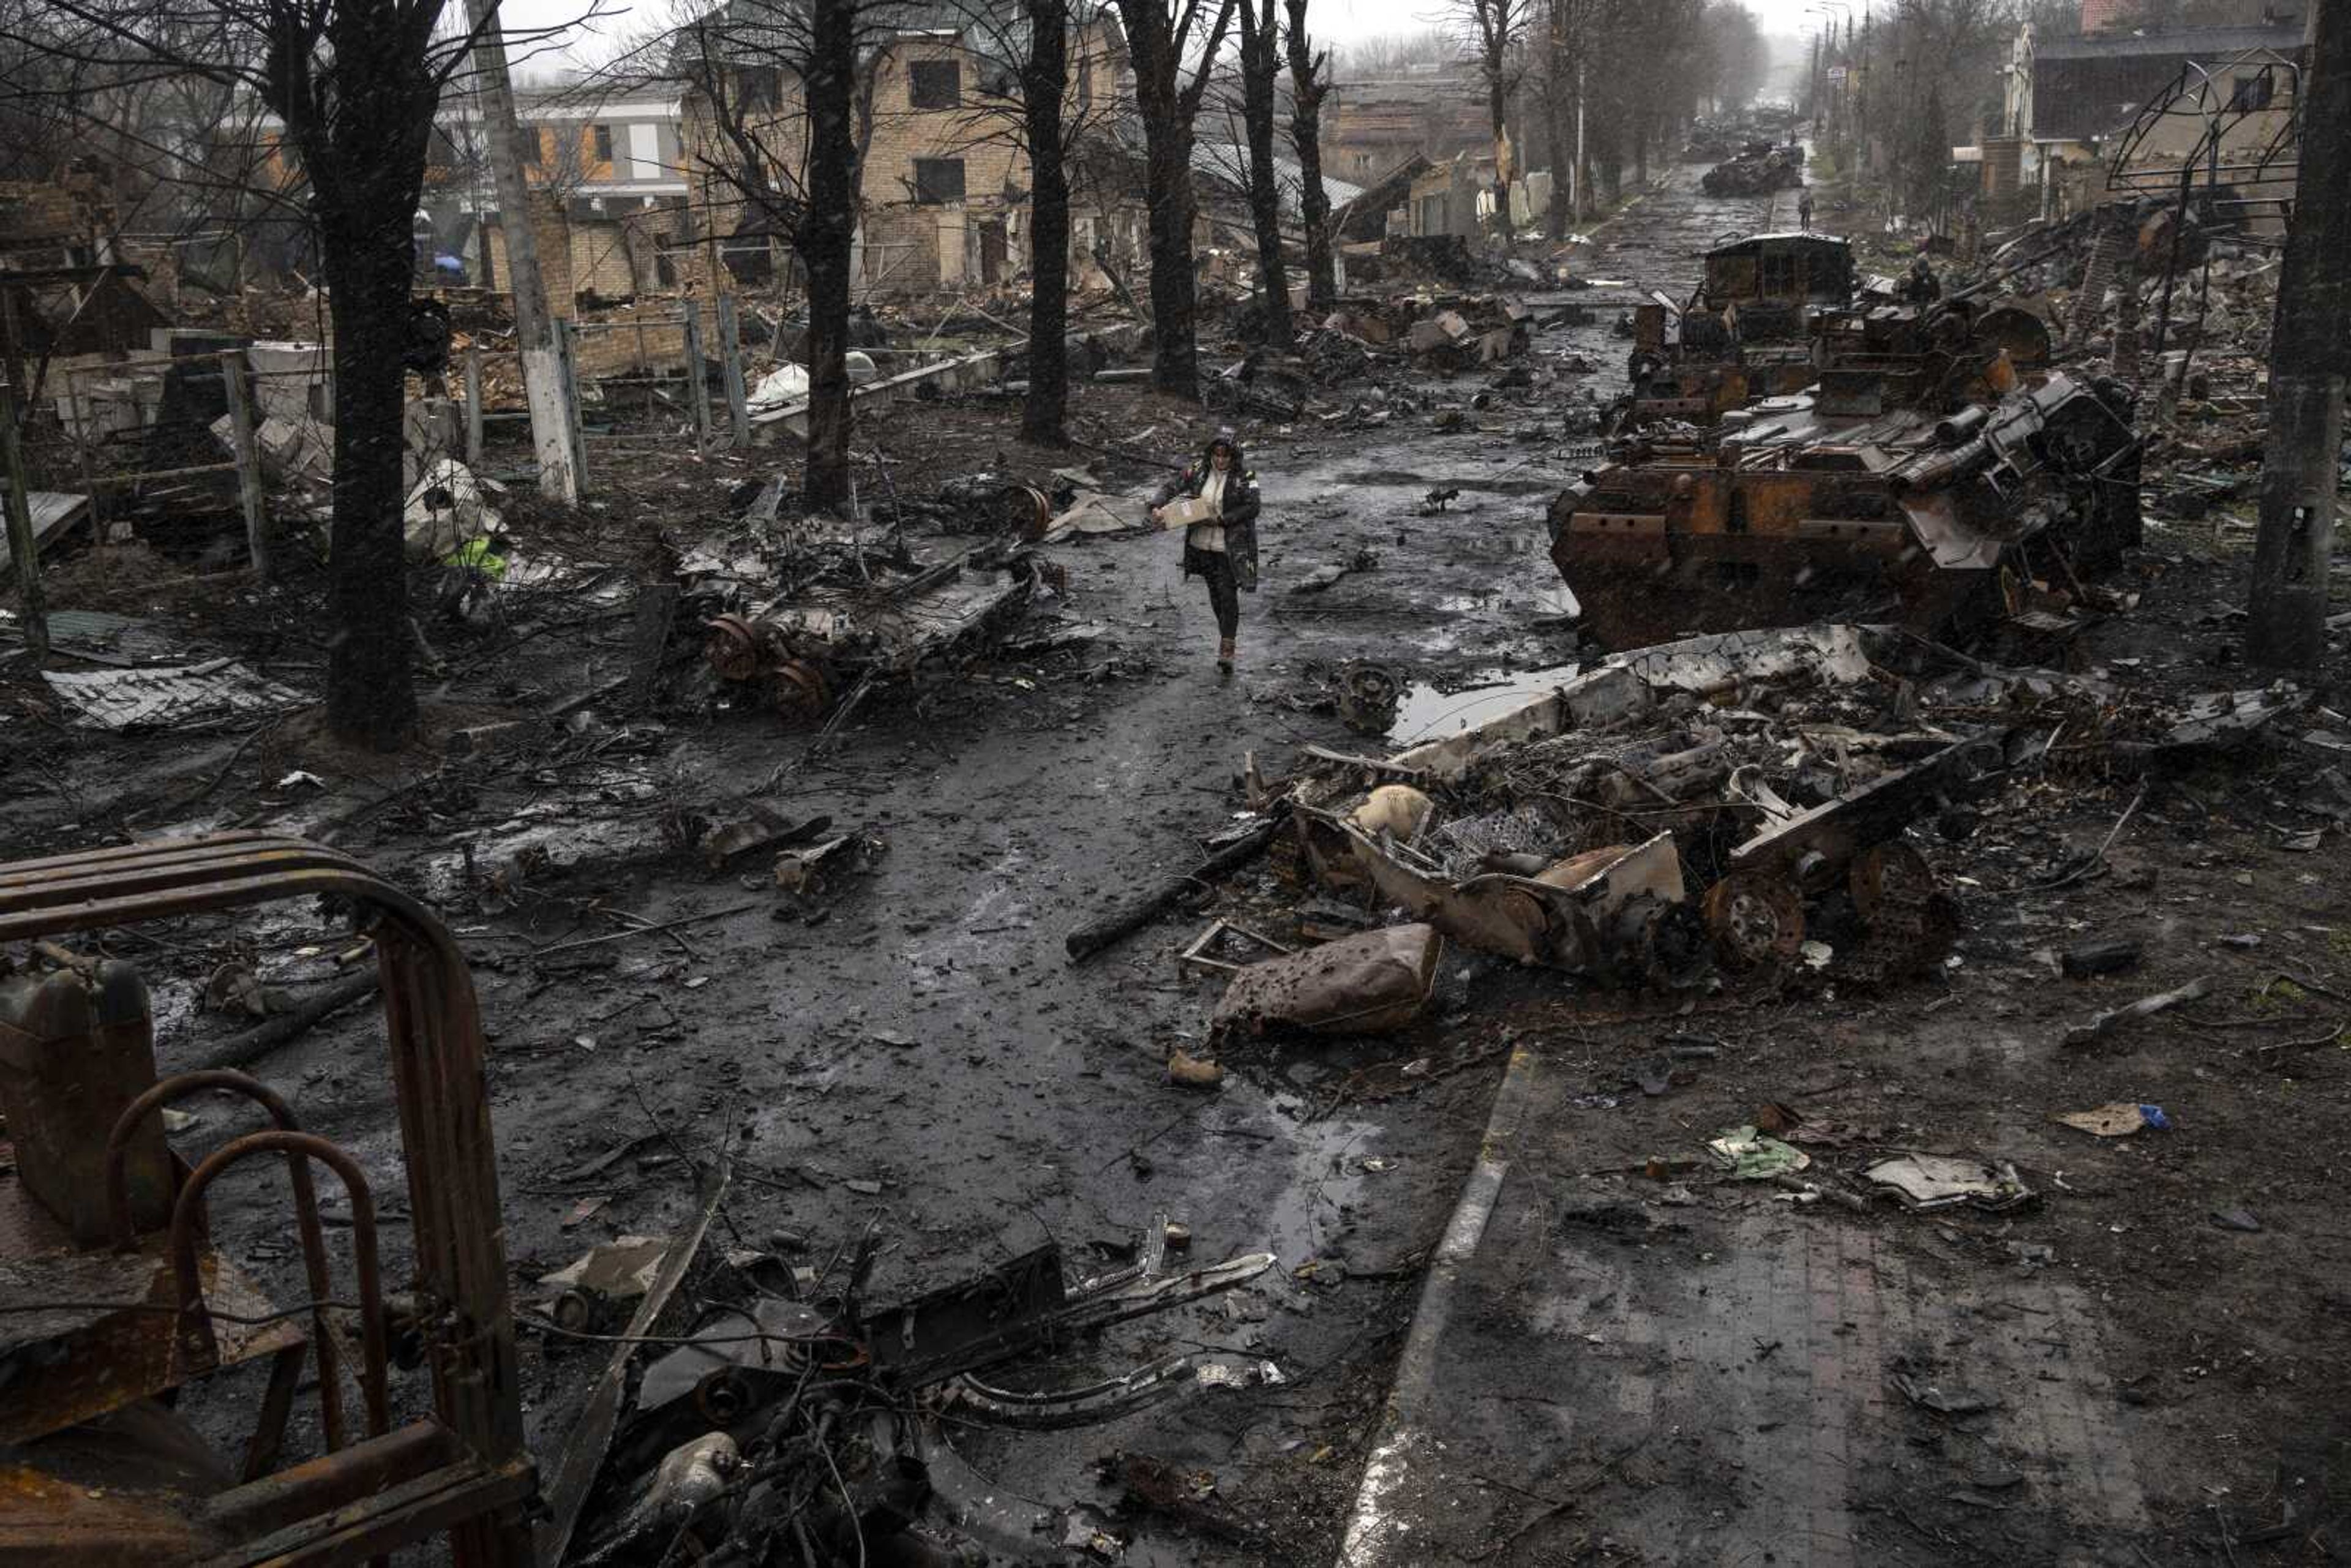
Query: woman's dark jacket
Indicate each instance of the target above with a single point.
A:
(1238, 515)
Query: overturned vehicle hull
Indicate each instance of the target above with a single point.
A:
(1941, 524)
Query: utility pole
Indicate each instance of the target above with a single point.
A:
(542, 366)
(1575, 175)
(2308, 359)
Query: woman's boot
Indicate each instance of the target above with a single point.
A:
(1224, 657)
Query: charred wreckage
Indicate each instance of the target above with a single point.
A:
(784, 1417)
(1933, 471)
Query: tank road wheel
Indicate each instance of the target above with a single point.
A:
(731, 646)
(1908, 920)
(802, 692)
(1888, 878)
(1757, 921)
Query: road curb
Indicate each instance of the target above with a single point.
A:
(1378, 1533)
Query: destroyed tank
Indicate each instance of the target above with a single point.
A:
(1758, 171)
(1746, 333)
(1840, 505)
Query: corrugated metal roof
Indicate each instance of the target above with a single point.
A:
(2210, 45)
(1227, 162)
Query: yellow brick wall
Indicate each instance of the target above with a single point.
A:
(897, 229)
(600, 261)
(553, 231)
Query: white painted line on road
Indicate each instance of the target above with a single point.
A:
(1379, 1531)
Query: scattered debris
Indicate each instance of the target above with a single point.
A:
(1358, 985)
(2105, 1022)
(180, 696)
(1941, 1181)
(2118, 1120)
(1750, 1156)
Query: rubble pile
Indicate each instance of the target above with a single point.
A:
(1742, 811)
(808, 617)
(795, 1421)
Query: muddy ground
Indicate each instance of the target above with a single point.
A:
(912, 1050)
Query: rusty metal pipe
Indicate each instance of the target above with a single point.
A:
(306, 1205)
(375, 1361)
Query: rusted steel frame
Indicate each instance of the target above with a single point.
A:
(332, 1482)
(268, 1439)
(454, 1498)
(375, 1362)
(435, 1034)
(306, 1207)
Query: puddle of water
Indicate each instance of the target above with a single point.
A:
(1427, 713)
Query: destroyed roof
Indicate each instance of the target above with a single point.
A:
(1366, 216)
(1227, 162)
(763, 28)
(2210, 43)
(2083, 88)
(1809, 237)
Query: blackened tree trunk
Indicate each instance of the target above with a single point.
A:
(1309, 83)
(369, 256)
(363, 144)
(1260, 61)
(1045, 76)
(822, 237)
(1157, 33)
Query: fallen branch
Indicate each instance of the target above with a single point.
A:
(244, 1050)
(1088, 940)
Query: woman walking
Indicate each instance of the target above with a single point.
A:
(1220, 543)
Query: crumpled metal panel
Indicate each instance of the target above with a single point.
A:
(173, 696)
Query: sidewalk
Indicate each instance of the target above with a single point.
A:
(1620, 1370)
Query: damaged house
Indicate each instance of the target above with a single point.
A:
(606, 169)
(2146, 96)
(946, 180)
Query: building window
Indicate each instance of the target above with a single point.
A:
(937, 84)
(938, 180)
(534, 153)
(603, 143)
(1085, 83)
(2253, 92)
(757, 87)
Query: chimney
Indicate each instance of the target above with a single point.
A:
(2097, 15)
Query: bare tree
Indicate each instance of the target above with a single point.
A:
(1496, 31)
(1260, 64)
(787, 89)
(1044, 82)
(354, 83)
(1160, 34)
(1036, 111)
(1309, 84)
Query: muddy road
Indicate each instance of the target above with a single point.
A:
(910, 1051)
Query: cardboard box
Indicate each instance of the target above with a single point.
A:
(1183, 511)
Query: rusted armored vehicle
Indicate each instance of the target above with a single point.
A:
(1850, 503)
(1760, 169)
(1746, 333)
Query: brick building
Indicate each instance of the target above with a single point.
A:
(1371, 127)
(607, 168)
(946, 183)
